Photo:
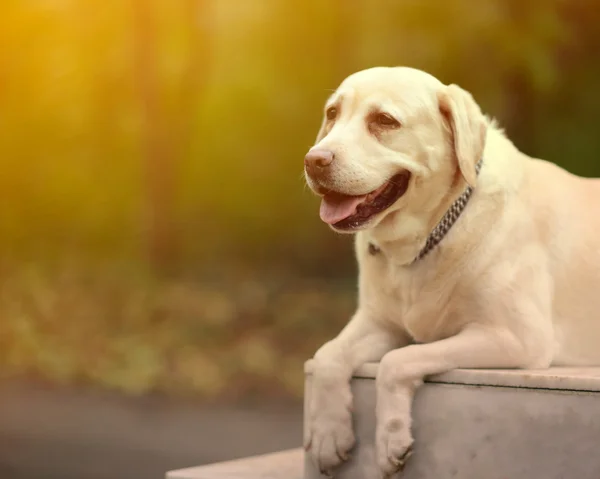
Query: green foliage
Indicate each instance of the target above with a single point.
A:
(71, 147)
(231, 94)
(109, 327)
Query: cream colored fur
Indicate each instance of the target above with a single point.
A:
(514, 284)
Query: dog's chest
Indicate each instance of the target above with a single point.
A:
(418, 302)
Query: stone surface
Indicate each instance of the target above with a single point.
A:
(488, 424)
(279, 465)
(581, 379)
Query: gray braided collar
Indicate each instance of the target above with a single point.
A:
(441, 229)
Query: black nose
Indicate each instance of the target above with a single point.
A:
(317, 160)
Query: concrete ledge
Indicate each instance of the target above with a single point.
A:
(279, 465)
(576, 379)
(488, 424)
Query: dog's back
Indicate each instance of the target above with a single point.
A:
(566, 212)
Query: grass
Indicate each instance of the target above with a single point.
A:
(116, 328)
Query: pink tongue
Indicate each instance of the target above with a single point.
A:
(335, 208)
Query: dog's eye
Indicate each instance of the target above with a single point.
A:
(331, 113)
(386, 120)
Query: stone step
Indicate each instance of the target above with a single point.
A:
(488, 424)
(467, 424)
(278, 465)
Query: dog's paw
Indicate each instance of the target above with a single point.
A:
(394, 445)
(329, 438)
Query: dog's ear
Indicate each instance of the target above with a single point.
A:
(468, 127)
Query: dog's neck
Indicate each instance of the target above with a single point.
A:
(443, 226)
(450, 217)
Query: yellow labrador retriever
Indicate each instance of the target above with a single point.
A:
(471, 254)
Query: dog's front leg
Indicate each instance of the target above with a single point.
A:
(329, 435)
(401, 371)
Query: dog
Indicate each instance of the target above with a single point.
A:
(471, 254)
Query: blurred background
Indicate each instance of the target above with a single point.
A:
(163, 270)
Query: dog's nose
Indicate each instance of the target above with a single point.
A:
(316, 160)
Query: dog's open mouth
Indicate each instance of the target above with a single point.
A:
(346, 212)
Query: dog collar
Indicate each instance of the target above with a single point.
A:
(441, 229)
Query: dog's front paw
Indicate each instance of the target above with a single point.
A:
(329, 436)
(394, 444)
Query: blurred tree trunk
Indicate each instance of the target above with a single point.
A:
(197, 21)
(520, 102)
(158, 163)
(520, 111)
(344, 50)
(195, 78)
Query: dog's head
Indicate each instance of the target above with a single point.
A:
(393, 140)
